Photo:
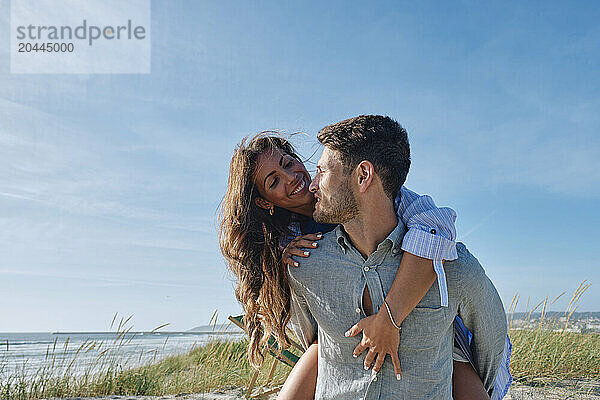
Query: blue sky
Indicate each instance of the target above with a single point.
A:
(110, 183)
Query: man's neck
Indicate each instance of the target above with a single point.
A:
(372, 226)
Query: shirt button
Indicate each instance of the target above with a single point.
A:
(432, 231)
(395, 251)
(366, 269)
(357, 310)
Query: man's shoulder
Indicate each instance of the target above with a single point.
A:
(464, 270)
(327, 247)
(465, 262)
(326, 250)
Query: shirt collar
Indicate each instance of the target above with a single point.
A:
(397, 235)
(340, 237)
(394, 238)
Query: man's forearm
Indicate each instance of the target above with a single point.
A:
(413, 279)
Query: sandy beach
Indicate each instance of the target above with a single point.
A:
(572, 389)
(584, 390)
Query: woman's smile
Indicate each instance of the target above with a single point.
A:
(300, 187)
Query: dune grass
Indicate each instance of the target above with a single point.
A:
(215, 366)
(550, 352)
(543, 354)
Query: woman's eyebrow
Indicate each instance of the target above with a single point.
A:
(272, 172)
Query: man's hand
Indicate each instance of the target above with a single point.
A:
(380, 337)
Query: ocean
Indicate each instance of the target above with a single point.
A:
(28, 354)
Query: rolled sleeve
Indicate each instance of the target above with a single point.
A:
(431, 230)
(431, 233)
(420, 242)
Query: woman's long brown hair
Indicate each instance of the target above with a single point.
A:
(249, 238)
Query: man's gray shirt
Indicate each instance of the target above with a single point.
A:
(328, 290)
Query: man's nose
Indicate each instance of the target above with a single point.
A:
(314, 185)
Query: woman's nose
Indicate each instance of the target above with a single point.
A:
(289, 176)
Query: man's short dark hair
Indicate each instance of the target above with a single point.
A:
(374, 138)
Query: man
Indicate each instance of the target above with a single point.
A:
(364, 163)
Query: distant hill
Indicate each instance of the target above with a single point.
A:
(556, 315)
(581, 322)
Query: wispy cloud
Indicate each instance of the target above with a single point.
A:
(99, 279)
(543, 150)
(475, 227)
(47, 160)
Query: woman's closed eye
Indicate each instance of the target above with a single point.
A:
(288, 162)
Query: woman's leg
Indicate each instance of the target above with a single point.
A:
(302, 380)
(466, 384)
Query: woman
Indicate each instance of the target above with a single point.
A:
(266, 204)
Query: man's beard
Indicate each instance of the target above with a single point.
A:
(342, 208)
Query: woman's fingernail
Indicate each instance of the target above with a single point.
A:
(354, 355)
(366, 367)
(315, 244)
(296, 263)
(347, 334)
(319, 235)
(306, 253)
(373, 373)
(398, 376)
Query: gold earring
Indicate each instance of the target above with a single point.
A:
(271, 210)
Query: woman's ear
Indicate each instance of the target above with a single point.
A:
(262, 203)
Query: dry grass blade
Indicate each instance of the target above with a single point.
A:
(66, 345)
(558, 297)
(159, 327)
(113, 320)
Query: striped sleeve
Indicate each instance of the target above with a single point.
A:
(431, 232)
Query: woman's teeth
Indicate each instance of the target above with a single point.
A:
(299, 188)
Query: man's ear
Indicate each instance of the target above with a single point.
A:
(262, 203)
(365, 172)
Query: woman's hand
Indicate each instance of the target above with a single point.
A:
(380, 337)
(298, 246)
